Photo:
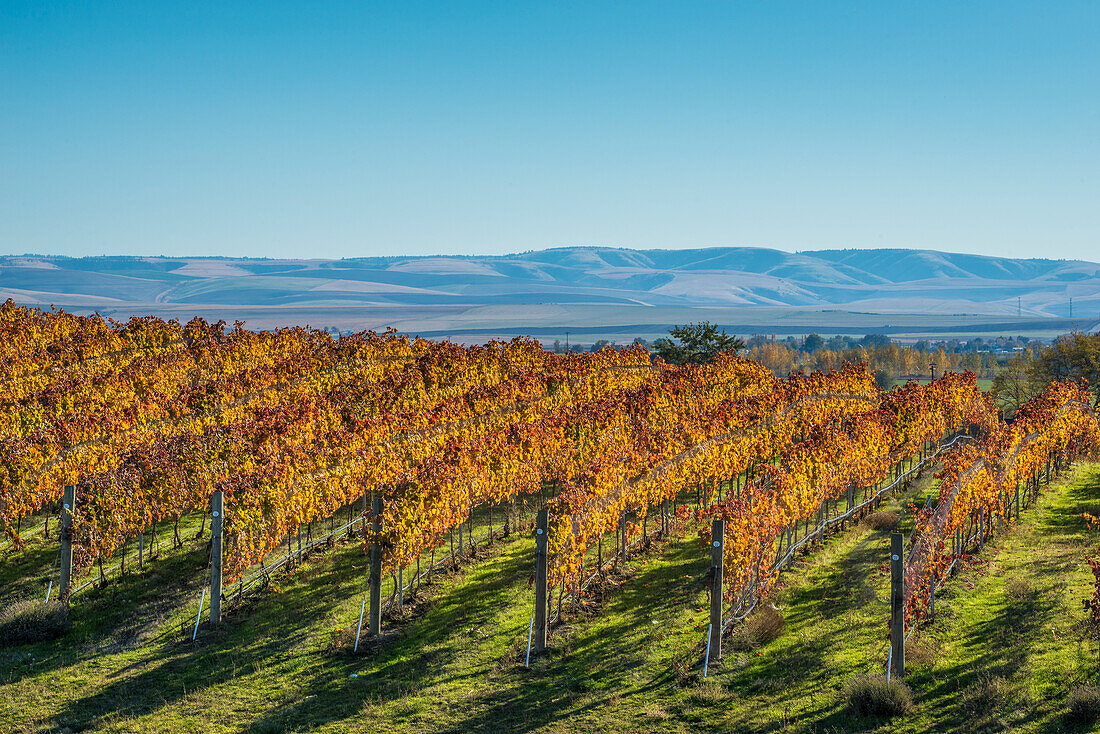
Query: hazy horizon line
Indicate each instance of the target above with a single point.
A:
(546, 249)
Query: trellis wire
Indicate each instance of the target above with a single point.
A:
(960, 551)
(739, 611)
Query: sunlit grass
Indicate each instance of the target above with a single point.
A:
(1000, 653)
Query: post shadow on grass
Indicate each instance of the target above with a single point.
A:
(494, 584)
(277, 618)
(174, 671)
(942, 690)
(419, 658)
(284, 620)
(420, 654)
(533, 707)
(178, 667)
(25, 574)
(790, 663)
(845, 586)
(598, 661)
(638, 600)
(329, 698)
(116, 617)
(948, 699)
(998, 647)
(1082, 496)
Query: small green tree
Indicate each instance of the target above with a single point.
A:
(812, 343)
(883, 380)
(1014, 384)
(698, 344)
(875, 340)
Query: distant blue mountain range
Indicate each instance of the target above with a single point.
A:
(878, 281)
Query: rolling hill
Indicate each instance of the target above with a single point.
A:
(591, 292)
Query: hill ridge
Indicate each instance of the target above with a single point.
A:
(441, 288)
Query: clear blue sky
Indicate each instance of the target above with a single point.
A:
(330, 129)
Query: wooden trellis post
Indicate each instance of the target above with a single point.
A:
(542, 528)
(365, 497)
(216, 528)
(897, 606)
(376, 568)
(622, 537)
(717, 569)
(68, 505)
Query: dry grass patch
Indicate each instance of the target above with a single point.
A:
(986, 697)
(762, 626)
(33, 621)
(882, 520)
(1084, 704)
(707, 693)
(1019, 588)
(873, 695)
(920, 652)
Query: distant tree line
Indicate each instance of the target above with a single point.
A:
(1019, 367)
(560, 348)
(878, 352)
(690, 344)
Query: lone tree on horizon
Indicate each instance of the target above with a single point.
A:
(698, 344)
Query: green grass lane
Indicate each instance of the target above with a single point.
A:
(1006, 646)
(1009, 641)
